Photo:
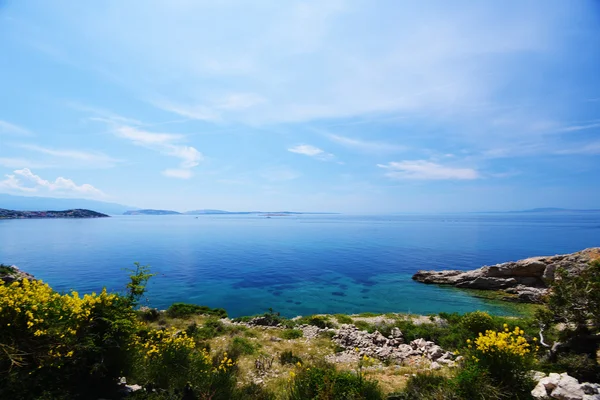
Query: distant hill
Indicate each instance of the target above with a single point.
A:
(33, 203)
(208, 212)
(77, 213)
(151, 212)
(202, 212)
(556, 210)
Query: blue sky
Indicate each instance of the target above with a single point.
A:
(341, 105)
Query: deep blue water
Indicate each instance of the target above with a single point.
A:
(297, 265)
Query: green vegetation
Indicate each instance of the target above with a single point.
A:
(184, 310)
(291, 334)
(6, 270)
(343, 319)
(320, 321)
(287, 357)
(325, 382)
(66, 346)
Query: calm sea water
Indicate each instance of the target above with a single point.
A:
(297, 264)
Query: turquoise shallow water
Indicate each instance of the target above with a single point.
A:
(297, 264)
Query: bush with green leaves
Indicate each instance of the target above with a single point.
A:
(242, 346)
(63, 343)
(325, 382)
(290, 334)
(477, 322)
(320, 321)
(185, 310)
(288, 357)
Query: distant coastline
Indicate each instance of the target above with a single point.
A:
(74, 213)
(221, 212)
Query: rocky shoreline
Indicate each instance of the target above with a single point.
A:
(75, 213)
(528, 279)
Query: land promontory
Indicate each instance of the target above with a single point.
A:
(528, 279)
(75, 213)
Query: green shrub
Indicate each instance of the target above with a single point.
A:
(291, 334)
(149, 314)
(287, 357)
(325, 382)
(343, 319)
(580, 366)
(319, 321)
(506, 357)
(241, 345)
(477, 321)
(473, 383)
(364, 326)
(427, 386)
(252, 391)
(184, 310)
(63, 344)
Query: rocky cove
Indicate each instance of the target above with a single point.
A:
(388, 348)
(524, 280)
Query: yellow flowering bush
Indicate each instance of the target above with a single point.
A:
(504, 355)
(169, 359)
(47, 337)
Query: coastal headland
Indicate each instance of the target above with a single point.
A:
(524, 280)
(74, 213)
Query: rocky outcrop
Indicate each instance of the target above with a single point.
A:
(565, 387)
(393, 348)
(11, 273)
(528, 279)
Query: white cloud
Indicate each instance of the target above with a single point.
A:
(144, 138)
(240, 101)
(426, 170)
(306, 149)
(574, 128)
(311, 151)
(104, 115)
(178, 173)
(164, 143)
(96, 159)
(6, 127)
(16, 162)
(366, 145)
(300, 60)
(23, 180)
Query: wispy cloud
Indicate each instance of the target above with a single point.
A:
(426, 170)
(24, 180)
(87, 158)
(574, 128)
(167, 144)
(367, 145)
(311, 151)
(8, 128)
(102, 114)
(17, 162)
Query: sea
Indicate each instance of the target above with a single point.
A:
(295, 265)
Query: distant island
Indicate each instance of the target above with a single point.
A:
(217, 212)
(557, 210)
(151, 212)
(34, 203)
(75, 213)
